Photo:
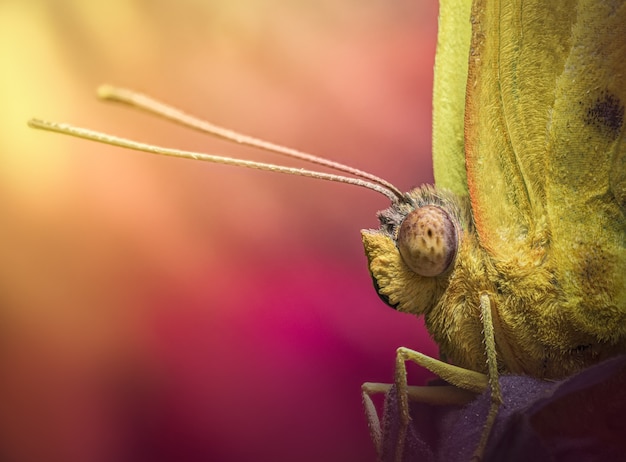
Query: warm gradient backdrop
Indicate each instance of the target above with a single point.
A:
(161, 310)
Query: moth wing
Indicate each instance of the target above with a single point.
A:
(517, 53)
(545, 147)
(586, 169)
(453, 43)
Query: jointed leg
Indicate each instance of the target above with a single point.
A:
(492, 372)
(436, 395)
(466, 384)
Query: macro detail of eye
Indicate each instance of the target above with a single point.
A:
(427, 241)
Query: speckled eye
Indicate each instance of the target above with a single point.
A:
(427, 241)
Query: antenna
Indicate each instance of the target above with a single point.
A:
(140, 101)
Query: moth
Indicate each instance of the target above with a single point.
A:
(516, 258)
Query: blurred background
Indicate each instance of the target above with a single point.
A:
(156, 309)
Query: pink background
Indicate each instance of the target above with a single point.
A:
(166, 310)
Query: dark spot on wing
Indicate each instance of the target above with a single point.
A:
(606, 113)
(593, 265)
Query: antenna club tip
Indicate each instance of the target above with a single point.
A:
(33, 122)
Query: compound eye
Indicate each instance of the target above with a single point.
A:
(427, 241)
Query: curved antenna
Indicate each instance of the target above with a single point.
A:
(148, 104)
(134, 145)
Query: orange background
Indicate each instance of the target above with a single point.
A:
(166, 310)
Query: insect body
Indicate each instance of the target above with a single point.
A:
(517, 258)
(538, 283)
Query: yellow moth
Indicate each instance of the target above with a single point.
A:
(517, 257)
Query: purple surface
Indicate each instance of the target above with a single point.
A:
(579, 418)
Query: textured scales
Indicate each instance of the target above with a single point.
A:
(453, 44)
(544, 131)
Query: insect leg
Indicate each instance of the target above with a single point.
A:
(373, 422)
(465, 385)
(435, 395)
(464, 379)
(492, 373)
